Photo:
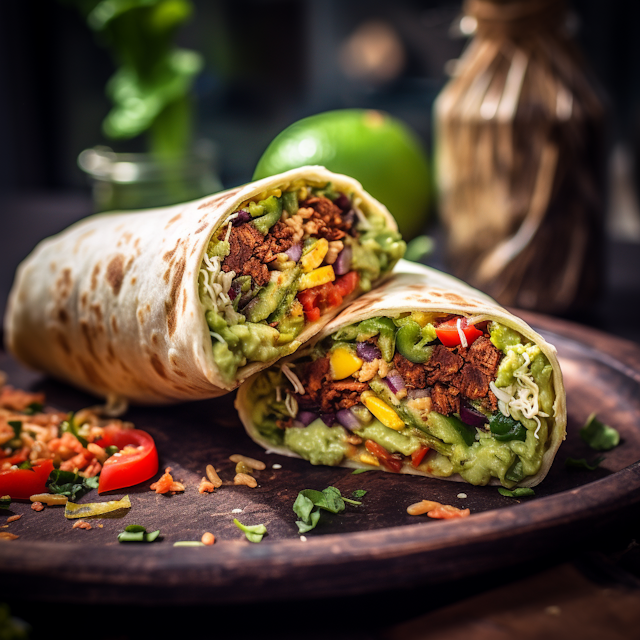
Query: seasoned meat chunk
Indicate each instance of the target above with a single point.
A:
(244, 240)
(472, 382)
(279, 239)
(414, 375)
(327, 218)
(329, 395)
(445, 399)
(442, 365)
(483, 355)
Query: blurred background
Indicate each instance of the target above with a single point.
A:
(269, 63)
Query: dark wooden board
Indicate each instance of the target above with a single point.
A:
(365, 548)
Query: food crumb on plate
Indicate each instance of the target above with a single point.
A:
(462, 496)
(303, 538)
(37, 506)
(81, 524)
(276, 466)
(14, 518)
(236, 510)
(553, 610)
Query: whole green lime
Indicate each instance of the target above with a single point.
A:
(371, 146)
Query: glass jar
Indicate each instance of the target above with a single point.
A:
(123, 181)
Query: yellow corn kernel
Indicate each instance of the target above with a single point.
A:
(344, 363)
(314, 258)
(367, 458)
(383, 412)
(316, 278)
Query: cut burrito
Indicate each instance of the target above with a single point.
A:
(184, 302)
(423, 375)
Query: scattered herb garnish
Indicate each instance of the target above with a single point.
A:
(572, 463)
(309, 502)
(137, 533)
(70, 425)
(359, 471)
(34, 407)
(16, 425)
(359, 493)
(253, 533)
(599, 436)
(5, 502)
(520, 492)
(70, 484)
(189, 543)
(26, 465)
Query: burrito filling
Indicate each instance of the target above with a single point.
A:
(415, 392)
(282, 260)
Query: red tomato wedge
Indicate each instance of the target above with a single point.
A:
(136, 461)
(20, 484)
(418, 455)
(448, 334)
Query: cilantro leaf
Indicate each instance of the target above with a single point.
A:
(70, 425)
(359, 493)
(70, 484)
(34, 407)
(519, 492)
(309, 502)
(16, 425)
(573, 463)
(26, 465)
(599, 436)
(253, 533)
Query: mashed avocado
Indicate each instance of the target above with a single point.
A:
(317, 443)
(404, 442)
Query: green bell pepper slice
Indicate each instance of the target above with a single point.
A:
(383, 327)
(411, 343)
(505, 428)
(266, 213)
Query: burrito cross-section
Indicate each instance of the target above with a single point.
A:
(185, 302)
(424, 376)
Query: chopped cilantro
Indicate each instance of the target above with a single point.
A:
(599, 436)
(573, 463)
(519, 492)
(70, 484)
(309, 502)
(359, 493)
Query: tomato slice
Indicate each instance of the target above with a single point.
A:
(136, 461)
(418, 455)
(347, 283)
(391, 461)
(317, 300)
(20, 484)
(447, 332)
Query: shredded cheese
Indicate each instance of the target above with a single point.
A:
(292, 405)
(216, 284)
(217, 336)
(293, 379)
(364, 223)
(523, 396)
(463, 338)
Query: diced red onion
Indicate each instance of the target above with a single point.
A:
(367, 351)
(343, 262)
(413, 394)
(343, 202)
(394, 381)
(234, 290)
(295, 252)
(243, 216)
(307, 417)
(328, 418)
(471, 416)
(348, 420)
(349, 218)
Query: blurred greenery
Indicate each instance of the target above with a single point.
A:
(150, 90)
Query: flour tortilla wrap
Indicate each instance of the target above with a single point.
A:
(111, 305)
(417, 288)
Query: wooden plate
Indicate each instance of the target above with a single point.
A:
(374, 546)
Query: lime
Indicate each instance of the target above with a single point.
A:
(371, 146)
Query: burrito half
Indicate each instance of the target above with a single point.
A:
(184, 302)
(423, 375)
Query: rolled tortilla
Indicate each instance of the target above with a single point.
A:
(112, 304)
(414, 288)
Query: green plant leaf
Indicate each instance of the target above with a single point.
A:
(573, 463)
(519, 492)
(599, 436)
(359, 493)
(253, 533)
